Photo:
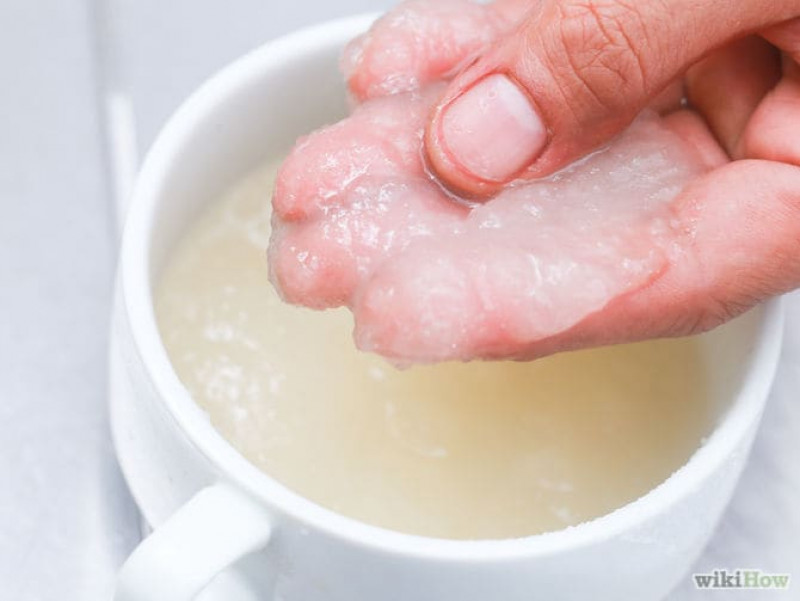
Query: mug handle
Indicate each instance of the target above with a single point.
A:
(214, 529)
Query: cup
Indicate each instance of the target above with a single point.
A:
(225, 530)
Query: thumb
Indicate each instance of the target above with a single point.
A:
(570, 77)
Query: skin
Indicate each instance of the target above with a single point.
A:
(589, 66)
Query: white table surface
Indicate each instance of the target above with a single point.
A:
(86, 85)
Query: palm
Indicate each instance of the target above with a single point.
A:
(744, 115)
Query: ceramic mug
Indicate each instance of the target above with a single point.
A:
(225, 528)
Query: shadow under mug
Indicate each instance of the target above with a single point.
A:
(222, 525)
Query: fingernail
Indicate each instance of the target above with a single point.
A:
(492, 130)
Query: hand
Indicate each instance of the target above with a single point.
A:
(583, 70)
(360, 223)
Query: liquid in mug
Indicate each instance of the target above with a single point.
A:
(482, 450)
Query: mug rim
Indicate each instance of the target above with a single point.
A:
(135, 282)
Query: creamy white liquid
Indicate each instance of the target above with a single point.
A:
(479, 450)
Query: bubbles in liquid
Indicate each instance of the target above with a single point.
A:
(478, 450)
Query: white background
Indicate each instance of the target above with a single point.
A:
(85, 87)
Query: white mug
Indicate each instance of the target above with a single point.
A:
(224, 526)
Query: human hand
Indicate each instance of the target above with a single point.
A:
(360, 223)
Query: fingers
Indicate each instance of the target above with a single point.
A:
(740, 243)
(320, 262)
(492, 298)
(322, 165)
(773, 131)
(787, 37)
(727, 87)
(573, 75)
(379, 139)
(421, 41)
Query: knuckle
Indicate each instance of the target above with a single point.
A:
(604, 42)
